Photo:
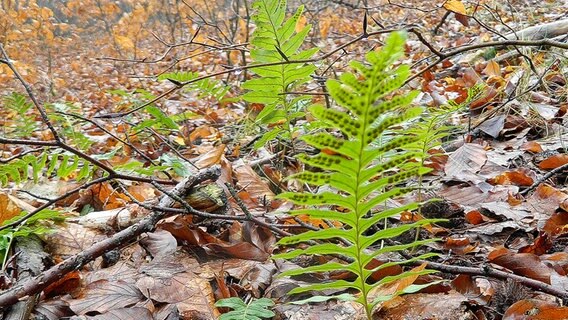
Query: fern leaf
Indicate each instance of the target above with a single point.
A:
(276, 40)
(364, 173)
(254, 310)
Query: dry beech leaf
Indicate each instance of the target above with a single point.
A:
(399, 285)
(492, 69)
(212, 157)
(557, 223)
(463, 19)
(537, 309)
(72, 238)
(251, 181)
(460, 246)
(465, 162)
(475, 217)
(546, 199)
(103, 295)
(524, 264)
(8, 208)
(519, 177)
(470, 288)
(554, 161)
(455, 6)
(52, 309)
(427, 306)
(159, 243)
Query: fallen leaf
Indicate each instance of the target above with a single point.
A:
(492, 69)
(464, 163)
(103, 295)
(524, 264)
(534, 309)
(554, 161)
(532, 147)
(455, 6)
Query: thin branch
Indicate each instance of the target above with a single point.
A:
(547, 176)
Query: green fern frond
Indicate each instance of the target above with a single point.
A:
(24, 122)
(276, 40)
(364, 171)
(205, 88)
(33, 167)
(254, 310)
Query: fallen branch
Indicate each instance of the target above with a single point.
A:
(488, 271)
(543, 31)
(37, 284)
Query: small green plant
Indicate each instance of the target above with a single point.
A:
(32, 226)
(24, 123)
(46, 164)
(205, 88)
(254, 310)
(275, 40)
(364, 169)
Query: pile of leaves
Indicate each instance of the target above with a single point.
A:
(107, 105)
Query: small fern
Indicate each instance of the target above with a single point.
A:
(32, 226)
(205, 88)
(254, 310)
(33, 167)
(24, 123)
(366, 170)
(275, 40)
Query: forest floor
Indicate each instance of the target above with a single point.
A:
(100, 70)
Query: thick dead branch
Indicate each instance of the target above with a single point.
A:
(543, 31)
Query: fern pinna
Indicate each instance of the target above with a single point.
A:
(276, 40)
(367, 167)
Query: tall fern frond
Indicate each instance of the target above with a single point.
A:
(276, 40)
(363, 173)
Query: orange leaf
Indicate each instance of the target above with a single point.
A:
(532, 146)
(553, 162)
(455, 6)
(537, 309)
(492, 69)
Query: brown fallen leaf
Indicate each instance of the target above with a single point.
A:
(534, 309)
(103, 296)
(554, 161)
(525, 264)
